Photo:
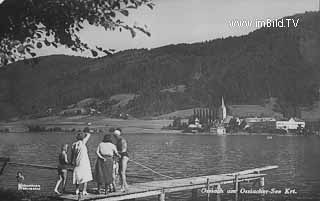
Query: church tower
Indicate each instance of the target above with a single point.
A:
(222, 112)
(224, 109)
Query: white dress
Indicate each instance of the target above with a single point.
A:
(82, 170)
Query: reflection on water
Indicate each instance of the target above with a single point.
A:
(179, 156)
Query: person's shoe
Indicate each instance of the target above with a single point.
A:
(77, 192)
(84, 193)
(124, 189)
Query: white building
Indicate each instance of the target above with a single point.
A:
(196, 124)
(259, 119)
(291, 124)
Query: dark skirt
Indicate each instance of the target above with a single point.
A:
(103, 170)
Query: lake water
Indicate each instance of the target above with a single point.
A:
(180, 156)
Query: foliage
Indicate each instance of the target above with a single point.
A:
(26, 25)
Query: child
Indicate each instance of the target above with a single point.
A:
(62, 169)
(20, 179)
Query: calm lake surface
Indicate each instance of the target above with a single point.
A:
(180, 156)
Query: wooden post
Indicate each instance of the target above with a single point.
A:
(208, 186)
(262, 182)
(79, 196)
(218, 195)
(236, 186)
(194, 194)
(162, 196)
(236, 183)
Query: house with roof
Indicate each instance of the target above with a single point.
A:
(291, 124)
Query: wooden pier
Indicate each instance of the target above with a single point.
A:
(162, 187)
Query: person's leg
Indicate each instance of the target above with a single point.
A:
(106, 189)
(57, 185)
(113, 184)
(84, 192)
(99, 188)
(77, 189)
(64, 180)
(117, 172)
(124, 162)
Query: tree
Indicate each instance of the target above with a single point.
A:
(29, 24)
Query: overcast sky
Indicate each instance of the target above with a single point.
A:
(188, 21)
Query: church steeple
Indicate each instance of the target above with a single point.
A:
(223, 110)
(222, 102)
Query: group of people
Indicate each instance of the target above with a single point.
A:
(112, 159)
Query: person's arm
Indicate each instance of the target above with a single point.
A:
(124, 145)
(72, 155)
(98, 153)
(115, 151)
(85, 139)
(65, 157)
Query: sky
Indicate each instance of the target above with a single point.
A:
(188, 21)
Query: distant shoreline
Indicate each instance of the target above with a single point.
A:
(102, 124)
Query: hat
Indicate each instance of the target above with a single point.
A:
(117, 132)
(86, 130)
(80, 136)
(107, 138)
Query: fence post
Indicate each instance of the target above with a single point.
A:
(162, 196)
(194, 194)
(236, 186)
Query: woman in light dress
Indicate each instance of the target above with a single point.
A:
(80, 160)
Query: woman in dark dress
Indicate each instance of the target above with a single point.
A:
(104, 165)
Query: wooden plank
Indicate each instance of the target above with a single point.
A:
(196, 180)
(140, 190)
(194, 195)
(255, 170)
(203, 185)
(113, 197)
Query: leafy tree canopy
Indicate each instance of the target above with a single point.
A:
(29, 24)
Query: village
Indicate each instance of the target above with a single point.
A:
(220, 122)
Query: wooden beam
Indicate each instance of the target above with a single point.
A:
(208, 187)
(162, 196)
(255, 170)
(126, 196)
(236, 186)
(154, 188)
(194, 196)
(218, 187)
(261, 182)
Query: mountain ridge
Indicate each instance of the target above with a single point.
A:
(268, 62)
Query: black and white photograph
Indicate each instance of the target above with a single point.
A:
(167, 100)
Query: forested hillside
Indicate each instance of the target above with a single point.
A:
(269, 62)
